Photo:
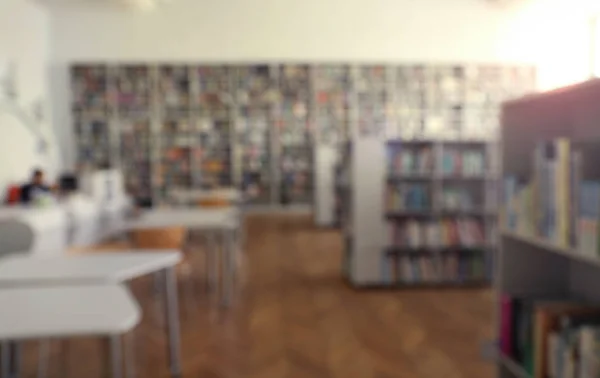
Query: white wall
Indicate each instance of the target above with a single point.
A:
(539, 32)
(24, 40)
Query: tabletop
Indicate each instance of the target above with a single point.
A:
(221, 218)
(66, 311)
(95, 268)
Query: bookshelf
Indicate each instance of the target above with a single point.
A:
(294, 135)
(91, 103)
(412, 231)
(440, 221)
(272, 129)
(548, 306)
(255, 99)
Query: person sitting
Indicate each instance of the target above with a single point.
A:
(35, 188)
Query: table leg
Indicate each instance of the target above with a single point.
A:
(116, 361)
(130, 359)
(13, 360)
(172, 316)
(5, 359)
(158, 283)
(43, 356)
(211, 260)
(226, 267)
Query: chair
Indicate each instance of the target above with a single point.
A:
(167, 238)
(16, 237)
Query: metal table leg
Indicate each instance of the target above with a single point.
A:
(130, 359)
(5, 359)
(229, 256)
(43, 356)
(211, 260)
(116, 356)
(16, 360)
(172, 312)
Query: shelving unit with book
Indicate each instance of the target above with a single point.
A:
(439, 218)
(294, 136)
(214, 124)
(91, 106)
(255, 100)
(273, 129)
(549, 263)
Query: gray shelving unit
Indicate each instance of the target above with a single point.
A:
(530, 266)
(448, 202)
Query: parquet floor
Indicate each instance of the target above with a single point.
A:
(295, 318)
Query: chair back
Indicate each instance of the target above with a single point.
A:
(163, 238)
(16, 237)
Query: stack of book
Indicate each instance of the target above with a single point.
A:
(408, 197)
(427, 269)
(467, 163)
(588, 218)
(174, 85)
(331, 103)
(457, 198)
(550, 337)
(436, 234)
(409, 161)
(556, 205)
(134, 86)
(136, 155)
(90, 89)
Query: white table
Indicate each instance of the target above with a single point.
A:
(64, 312)
(223, 221)
(113, 267)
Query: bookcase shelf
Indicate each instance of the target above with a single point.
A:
(548, 306)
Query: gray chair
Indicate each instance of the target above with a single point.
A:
(16, 237)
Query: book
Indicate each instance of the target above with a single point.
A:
(423, 268)
(444, 233)
(543, 334)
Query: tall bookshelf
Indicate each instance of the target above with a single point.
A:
(91, 104)
(294, 135)
(549, 251)
(255, 99)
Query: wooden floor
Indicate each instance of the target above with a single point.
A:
(295, 318)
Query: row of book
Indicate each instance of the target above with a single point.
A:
(409, 161)
(420, 160)
(557, 203)
(588, 218)
(447, 268)
(551, 337)
(435, 234)
(465, 163)
(459, 198)
(408, 196)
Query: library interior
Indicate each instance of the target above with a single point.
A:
(408, 193)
